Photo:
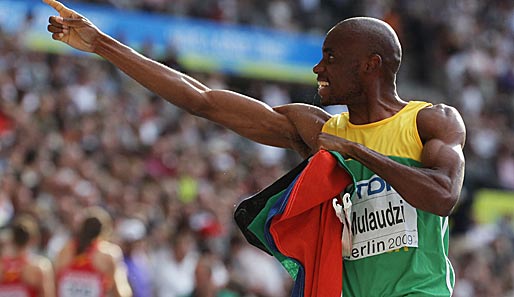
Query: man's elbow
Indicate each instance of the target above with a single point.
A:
(446, 205)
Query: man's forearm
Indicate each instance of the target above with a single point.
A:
(174, 86)
(423, 188)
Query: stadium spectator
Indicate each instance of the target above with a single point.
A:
(131, 233)
(174, 266)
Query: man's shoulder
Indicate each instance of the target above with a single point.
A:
(439, 118)
(439, 111)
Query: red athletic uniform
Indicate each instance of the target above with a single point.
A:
(11, 283)
(81, 278)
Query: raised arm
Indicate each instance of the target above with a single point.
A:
(436, 186)
(244, 115)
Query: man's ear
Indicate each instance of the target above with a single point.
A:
(374, 62)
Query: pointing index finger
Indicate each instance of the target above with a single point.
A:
(58, 6)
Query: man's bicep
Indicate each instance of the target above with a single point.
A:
(248, 117)
(444, 134)
(438, 154)
(443, 126)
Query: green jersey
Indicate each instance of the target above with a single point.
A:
(397, 250)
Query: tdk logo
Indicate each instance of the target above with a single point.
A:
(372, 187)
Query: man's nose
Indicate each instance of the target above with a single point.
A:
(318, 68)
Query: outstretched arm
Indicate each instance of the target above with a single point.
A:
(244, 115)
(436, 186)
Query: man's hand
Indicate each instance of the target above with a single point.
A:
(334, 143)
(72, 28)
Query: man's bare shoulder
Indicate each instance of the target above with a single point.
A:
(439, 120)
(440, 109)
(308, 121)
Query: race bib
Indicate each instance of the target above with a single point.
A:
(80, 284)
(381, 220)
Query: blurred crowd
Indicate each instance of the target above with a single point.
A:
(75, 132)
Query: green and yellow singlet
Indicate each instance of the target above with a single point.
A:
(397, 250)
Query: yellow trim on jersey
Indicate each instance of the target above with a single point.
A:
(395, 136)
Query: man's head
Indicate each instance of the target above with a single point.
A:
(357, 52)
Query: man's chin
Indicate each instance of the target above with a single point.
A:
(326, 101)
(330, 100)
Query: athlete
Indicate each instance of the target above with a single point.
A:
(407, 156)
(23, 273)
(89, 265)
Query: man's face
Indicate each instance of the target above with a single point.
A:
(338, 71)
